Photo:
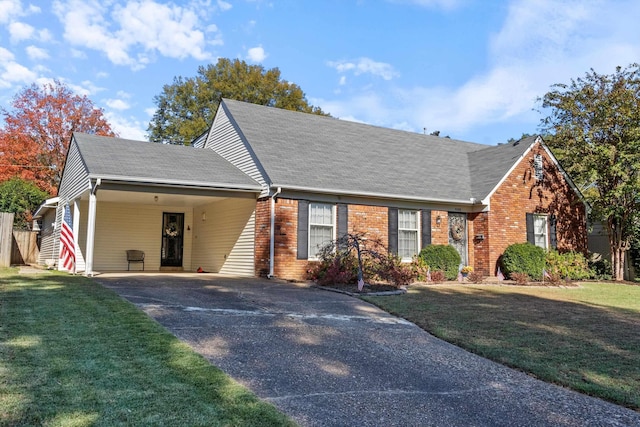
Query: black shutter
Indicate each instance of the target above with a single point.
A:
(531, 238)
(343, 219)
(303, 229)
(393, 231)
(553, 235)
(425, 214)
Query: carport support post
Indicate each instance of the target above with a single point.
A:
(76, 230)
(91, 233)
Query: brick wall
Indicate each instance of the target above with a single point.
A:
(522, 193)
(372, 221)
(505, 224)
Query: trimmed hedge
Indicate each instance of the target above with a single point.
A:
(524, 258)
(444, 258)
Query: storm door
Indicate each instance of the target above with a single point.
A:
(458, 234)
(172, 239)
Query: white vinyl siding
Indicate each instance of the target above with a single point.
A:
(540, 233)
(122, 226)
(48, 250)
(321, 226)
(225, 140)
(408, 232)
(224, 241)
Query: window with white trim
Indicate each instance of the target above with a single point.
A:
(321, 226)
(540, 234)
(538, 167)
(408, 223)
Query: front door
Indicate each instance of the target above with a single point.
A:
(172, 239)
(458, 234)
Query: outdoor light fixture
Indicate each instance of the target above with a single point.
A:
(155, 199)
(438, 219)
(204, 216)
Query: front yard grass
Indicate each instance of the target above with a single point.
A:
(72, 353)
(586, 338)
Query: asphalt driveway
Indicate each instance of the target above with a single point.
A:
(328, 359)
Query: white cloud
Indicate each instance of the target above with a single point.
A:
(365, 66)
(117, 104)
(12, 72)
(9, 9)
(36, 53)
(133, 33)
(19, 31)
(224, 6)
(256, 54)
(126, 127)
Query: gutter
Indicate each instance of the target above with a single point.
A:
(272, 233)
(380, 195)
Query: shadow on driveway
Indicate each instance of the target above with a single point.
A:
(327, 359)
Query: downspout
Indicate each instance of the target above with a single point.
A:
(272, 233)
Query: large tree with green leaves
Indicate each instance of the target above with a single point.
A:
(185, 109)
(595, 122)
(21, 197)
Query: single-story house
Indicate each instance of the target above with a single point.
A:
(265, 187)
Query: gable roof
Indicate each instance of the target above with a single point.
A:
(149, 162)
(318, 153)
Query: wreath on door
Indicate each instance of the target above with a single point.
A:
(457, 232)
(171, 230)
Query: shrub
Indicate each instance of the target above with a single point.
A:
(437, 276)
(391, 269)
(568, 265)
(419, 268)
(520, 278)
(442, 257)
(523, 258)
(475, 277)
(600, 269)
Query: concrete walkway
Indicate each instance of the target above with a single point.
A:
(328, 359)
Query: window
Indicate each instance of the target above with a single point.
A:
(538, 167)
(540, 230)
(321, 223)
(407, 234)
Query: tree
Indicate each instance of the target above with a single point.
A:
(37, 131)
(22, 198)
(186, 108)
(595, 122)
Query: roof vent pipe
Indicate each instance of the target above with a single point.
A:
(272, 233)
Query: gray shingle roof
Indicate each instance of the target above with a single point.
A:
(318, 152)
(138, 161)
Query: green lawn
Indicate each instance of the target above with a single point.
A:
(586, 338)
(72, 353)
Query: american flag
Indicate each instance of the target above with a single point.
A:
(67, 244)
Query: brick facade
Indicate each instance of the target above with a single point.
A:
(522, 193)
(505, 222)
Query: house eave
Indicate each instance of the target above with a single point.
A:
(152, 182)
(372, 195)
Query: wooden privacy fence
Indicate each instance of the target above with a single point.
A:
(25, 247)
(6, 238)
(16, 246)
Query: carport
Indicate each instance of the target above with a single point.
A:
(183, 207)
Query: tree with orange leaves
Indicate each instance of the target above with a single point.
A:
(37, 131)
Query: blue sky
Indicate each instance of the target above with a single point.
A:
(471, 69)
